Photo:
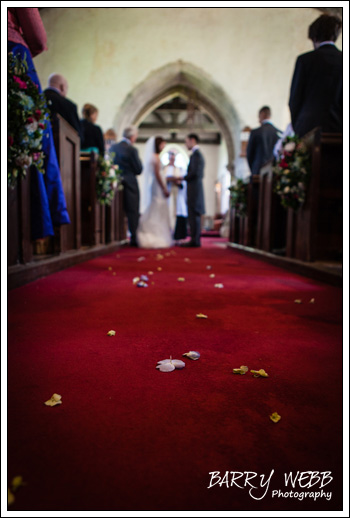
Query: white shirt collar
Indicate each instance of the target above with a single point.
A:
(54, 89)
(326, 43)
(195, 148)
(127, 140)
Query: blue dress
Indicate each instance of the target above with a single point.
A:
(47, 200)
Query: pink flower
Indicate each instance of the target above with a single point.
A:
(37, 114)
(30, 120)
(37, 156)
(21, 83)
(10, 140)
(41, 125)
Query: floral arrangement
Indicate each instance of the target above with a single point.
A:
(292, 172)
(27, 116)
(238, 197)
(108, 179)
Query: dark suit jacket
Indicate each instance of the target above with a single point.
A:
(127, 158)
(260, 146)
(195, 174)
(316, 95)
(92, 136)
(66, 108)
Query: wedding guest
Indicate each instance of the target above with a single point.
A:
(92, 136)
(316, 94)
(55, 94)
(262, 141)
(110, 138)
(127, 158)
(27, 39)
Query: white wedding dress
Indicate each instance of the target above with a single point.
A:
(154, 229)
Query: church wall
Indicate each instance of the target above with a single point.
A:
(250, 52)
(106, 52)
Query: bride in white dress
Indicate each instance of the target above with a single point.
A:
(154, 230)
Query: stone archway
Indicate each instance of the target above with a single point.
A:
(183, 79)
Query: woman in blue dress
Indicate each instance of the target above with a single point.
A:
(27, 39)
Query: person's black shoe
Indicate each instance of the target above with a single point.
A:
(133, 243)
(190, 244)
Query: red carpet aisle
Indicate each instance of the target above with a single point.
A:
(128, 437)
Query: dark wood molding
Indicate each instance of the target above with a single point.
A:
(21, 274)
(317, 271)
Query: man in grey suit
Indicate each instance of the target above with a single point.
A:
(195, 194)
(127, 158)
(261, 142)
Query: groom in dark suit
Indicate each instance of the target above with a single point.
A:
(195, 194)
(316, 95)
(127, 158)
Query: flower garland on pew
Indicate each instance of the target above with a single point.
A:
(27, 116)
(292, 172)
(239, 197)
(108, 180)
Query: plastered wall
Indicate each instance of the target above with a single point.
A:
(106, 52)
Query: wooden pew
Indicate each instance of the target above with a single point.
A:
(67, 144)
(272, 216)
(243, 229)
(115, 219)
(314, 232)
(93, 215)
(19, 244)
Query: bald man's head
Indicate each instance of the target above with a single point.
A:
(59, 82)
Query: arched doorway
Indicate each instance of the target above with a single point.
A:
(183, 80)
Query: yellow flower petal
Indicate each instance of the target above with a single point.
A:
(139, 259)
(260, 374)
(298, 301)
(275, 417)
(187, 260)
(312, 301)
(110, 268)
(242, 370)
(208, 267)
(55, 400)
(135, 280)
(201, 315)
(10, 497)
(212, 275)
(114, 273)
(181, 279)
(17, 482)
(111, 333)
(159, 268)
(150, 273)
(219, 285)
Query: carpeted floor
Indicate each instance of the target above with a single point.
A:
(127, 437)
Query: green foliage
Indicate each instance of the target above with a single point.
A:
(238, 197)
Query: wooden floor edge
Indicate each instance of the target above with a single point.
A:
(302, 268)
(21, 274)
